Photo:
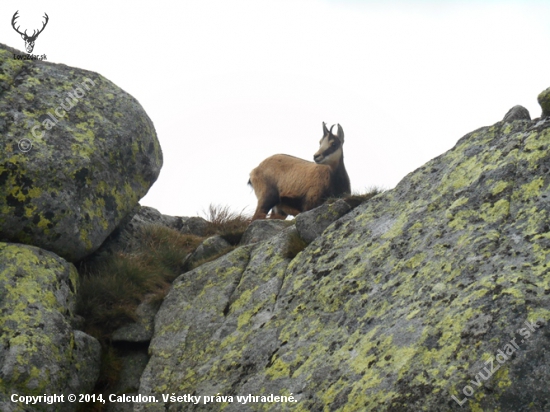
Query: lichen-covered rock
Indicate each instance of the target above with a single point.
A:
(262, 229)
(39, 352)
(313, 223)
(217, 318)
(544, 101)
(209, 248)
(403, 280)
(128, 236)
(517, 113)
(434, 296)
(87, 356)
(77, 155)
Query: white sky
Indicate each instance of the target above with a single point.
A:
(229, 83)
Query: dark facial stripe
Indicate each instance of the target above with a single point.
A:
(334, 146)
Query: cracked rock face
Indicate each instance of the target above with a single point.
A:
(312, 223)
(77, 153)
(262, 229)
(397, 306)
(231, 298)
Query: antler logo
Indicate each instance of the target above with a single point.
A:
(29, 40)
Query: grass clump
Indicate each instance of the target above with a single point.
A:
(226, 223)
(112, 288)
(356, 199)
(295, 245)
(110, 293)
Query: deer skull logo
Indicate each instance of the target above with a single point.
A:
(29, 40)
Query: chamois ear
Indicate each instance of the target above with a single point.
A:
(325, 130)
(340, 133)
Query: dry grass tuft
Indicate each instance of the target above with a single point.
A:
(355, 199)
(111, 289)
(294, 245)
(226, 223)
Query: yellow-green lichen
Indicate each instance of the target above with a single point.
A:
(392, 308)
(33, 282)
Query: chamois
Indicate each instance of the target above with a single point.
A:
(287, 185)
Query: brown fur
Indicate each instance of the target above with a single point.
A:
(287, 185)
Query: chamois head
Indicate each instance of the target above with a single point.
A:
(330, 147)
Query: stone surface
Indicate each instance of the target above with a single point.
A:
(128, 238)
(312, 224)
(68, 176)
(398, 306)
(262, 229)
(140, 331)
(212, 246)
(516, 113)
(39, 351)
(87, 355)
(195, 225)
(544, 101)
(148, 215)
(231, 298)
(133, 364)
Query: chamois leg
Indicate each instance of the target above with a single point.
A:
(259, 214)
(284, 209)
(266, 201)
(278, 213)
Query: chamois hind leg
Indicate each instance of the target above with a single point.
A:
(284, 209)
(261, 210)
(278, 213)
(266, 201)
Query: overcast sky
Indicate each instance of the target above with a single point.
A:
(229, 83)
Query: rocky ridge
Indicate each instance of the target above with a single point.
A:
(77, 153)
(431, 296)
(399, 304)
